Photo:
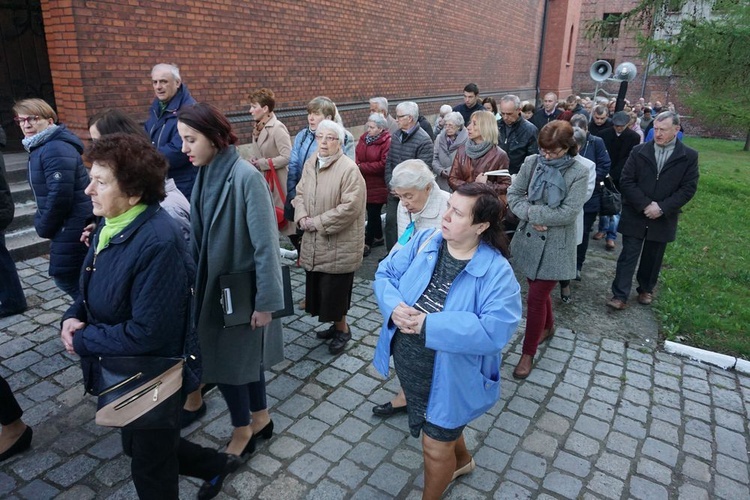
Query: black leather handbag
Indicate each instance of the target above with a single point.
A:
(611, 199)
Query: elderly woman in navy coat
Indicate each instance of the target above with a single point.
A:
(58, 179)
(234, 231)
(135, 295)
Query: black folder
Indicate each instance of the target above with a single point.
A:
(238, 292)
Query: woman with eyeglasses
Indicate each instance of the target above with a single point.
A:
(330, 209)
(58, 180)
(546, 196)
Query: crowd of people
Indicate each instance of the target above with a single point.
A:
(491, 183)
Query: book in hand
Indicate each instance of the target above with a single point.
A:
(502, 172)
(238, 292)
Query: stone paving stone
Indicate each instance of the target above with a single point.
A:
(569, 391)
(7, 484)
(389, 478)
(529, 464)
(608, 369)
(591, 427)
(50, 365)
(660, 451)
(387, 437)
(282, 387)
(579, 373)
(408, 459)
(664, 431)
(327, 490)
(513, 423)
(331, 448)
(550, 366)
(369, 493)
(690, 492)
(695, 384)
(637, 396)
(614, 465)
(665, 413)
(629, 426)
(71, 471)
(295, 406)
(553, 423)
(348, 473)
(696, 446)
(612, 358)
(283, 488)
(562, 484)
(655, 471)
(362, 383)
(351, 429)
(563, 407)
(570, 463)
(730, 489)
(667, 380)
(599, 409)
(732, 468)
(309, 429)
(491, 459)
(638, 381)
(38, 490)
(348, 363)
(727, 399)
(78, 492)
(345, 398)
(697, 428)
(523, 406)
(285, 447)
(731, 443)
(732, 421)
(31, 465)
(21, 380)
(665, 397)
(602, 394)
(14, 346)
(532, 391)
(113, 471)
(302, 369)
(22, 361)
(645, 489)
(541, 444)
(606, 486)
(460, 490)
(639, 413)
(308, 467)
(582, 445)
(508, 490)
(367, 454)
(696, 469)
(265, 465)
(697, 410)
(108, 448)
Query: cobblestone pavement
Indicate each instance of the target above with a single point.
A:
(598, 418)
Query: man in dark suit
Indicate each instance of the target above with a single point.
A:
(620, 141)
(548, 111)
(650, 209)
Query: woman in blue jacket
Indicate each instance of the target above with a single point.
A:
(58, 179)
(447, 327)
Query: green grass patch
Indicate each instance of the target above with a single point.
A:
(704, 299)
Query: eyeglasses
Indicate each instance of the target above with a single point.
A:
(328, 138)
(557, 153)
(26, 119)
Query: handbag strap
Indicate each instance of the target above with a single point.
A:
(273, 179)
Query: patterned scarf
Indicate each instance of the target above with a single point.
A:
(370, 139)
(548, 178)
(38, 139)
(260, 125)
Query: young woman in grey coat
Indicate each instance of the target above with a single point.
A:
(547, 196)
(233, 231)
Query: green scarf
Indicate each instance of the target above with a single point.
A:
(115, 225)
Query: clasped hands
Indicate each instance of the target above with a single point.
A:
(408, 319)
(653, 210)
(69, 327)
(307, 224)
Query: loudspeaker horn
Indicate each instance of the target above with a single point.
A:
(625, 72)
(600, 70)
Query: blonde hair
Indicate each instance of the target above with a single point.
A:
(487, 125)
(35, 107)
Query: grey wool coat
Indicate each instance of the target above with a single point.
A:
(550, 254)
(242, 236)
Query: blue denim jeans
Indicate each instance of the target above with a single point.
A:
(608, 224)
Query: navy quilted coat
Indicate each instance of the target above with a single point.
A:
(58, 178)
(134, 294)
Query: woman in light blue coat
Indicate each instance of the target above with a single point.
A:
(450, 303)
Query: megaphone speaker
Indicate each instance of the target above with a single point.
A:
(600, 70)
(625, 72)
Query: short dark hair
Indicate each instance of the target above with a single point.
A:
(472, 87)
(137, 166)
(528, 107)
(264, 97)
(112, 121)
(558, 134)
(492, 102)
(209, 121)
(488, 207)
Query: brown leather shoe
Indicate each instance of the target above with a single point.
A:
(645, 298)
(598, 236)
(616, 304)
(524, 366)
(610, 245)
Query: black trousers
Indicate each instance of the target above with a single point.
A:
(9, 409)
(651, 254)
(588, 222)
(159, 456)
(391, 224)
(243, 399)
(374, 228)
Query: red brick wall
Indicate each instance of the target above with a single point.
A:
(102, 52)
(560, 44)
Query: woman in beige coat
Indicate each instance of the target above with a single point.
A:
(330, 209)
(272, 145)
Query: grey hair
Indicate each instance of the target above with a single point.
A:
(172, 68)
(601, 109)
(445, 109)
(455, 118)
(332, 126)
(579, 120)
(414, 174)
(579, 135)
(382, 103)
(409, 108)
(512, 98)
(668, 115)
(378, 119)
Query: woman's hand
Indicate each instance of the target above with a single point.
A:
(307, 224)
(260, 319)
(86, 234)
(407, 319)
(69, 327)
(255, 162)
(539, 228)
(481, 179)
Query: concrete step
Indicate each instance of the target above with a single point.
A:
(21, 192)
(24, 217)
(25, 244)
(16, 167)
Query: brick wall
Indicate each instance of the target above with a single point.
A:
(560, 45)
(102, 52)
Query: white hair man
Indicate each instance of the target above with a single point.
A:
(517, 136)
